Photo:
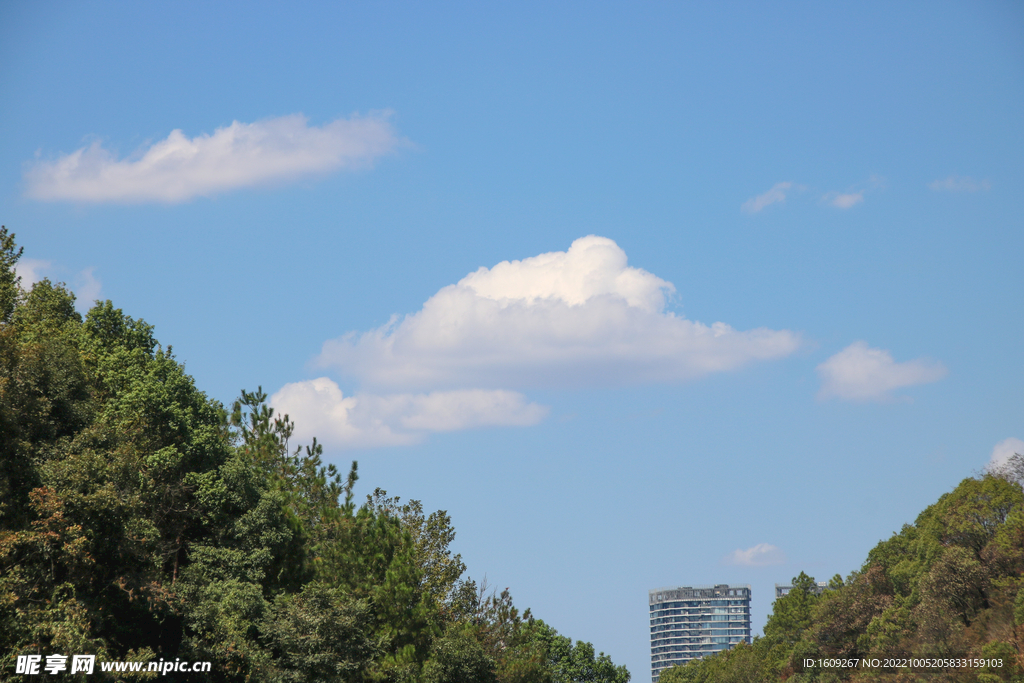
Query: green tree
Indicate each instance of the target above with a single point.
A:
(140, 519)
(740, 664)
(10, 283)
(577, 663)
(458, 657)
(319, 634)
(791, 614)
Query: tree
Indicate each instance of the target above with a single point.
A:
(740, 664)
(577, 663)
(791, 614)
(458, 657)
(319, 634)
(10, 283)
(140, 519)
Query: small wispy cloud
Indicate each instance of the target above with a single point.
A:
(776, 195)
(88, 287)
(319, 408)
(761, 555)
(31, 270)
(180, 168)
(853, 195)
(1004, 450)
(861, 373)
(843, 201)
(956, 183)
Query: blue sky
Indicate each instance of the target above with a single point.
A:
(838, 184)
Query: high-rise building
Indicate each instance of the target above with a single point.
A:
(782, 589)
(690, 622)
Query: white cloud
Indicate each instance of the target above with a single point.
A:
(955, 183)
(1004, 450)
(88, 289)
(319, 409)
(859, 372)
(843, 201)
(582, 317)
(761, 555)
(240, 155)
(775, 195)
(31, 270)
(854, 195)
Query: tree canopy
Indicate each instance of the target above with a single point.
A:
(140, 519)
(947, 586)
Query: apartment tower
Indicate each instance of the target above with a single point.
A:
(691, 622)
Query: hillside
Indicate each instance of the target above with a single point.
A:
(141, 521)
(946, 587)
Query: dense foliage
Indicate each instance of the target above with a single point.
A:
(947, 586)
(139, 519)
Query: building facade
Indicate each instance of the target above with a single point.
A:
(691, 622)
(782, 589)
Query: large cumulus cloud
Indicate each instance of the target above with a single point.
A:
(582, 317)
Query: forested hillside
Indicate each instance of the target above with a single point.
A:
(139, 520)
(946, 587)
